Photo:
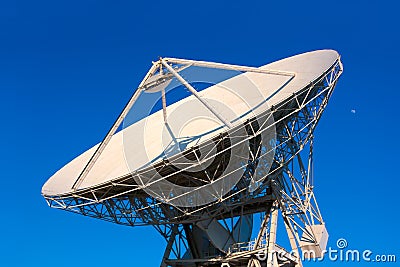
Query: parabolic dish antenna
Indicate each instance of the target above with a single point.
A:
(200, 143)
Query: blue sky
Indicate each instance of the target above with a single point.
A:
(68, 67)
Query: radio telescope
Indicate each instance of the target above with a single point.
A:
(200, 150)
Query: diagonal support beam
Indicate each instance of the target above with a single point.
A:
(196, 94)
(171, 240)
(111, 132)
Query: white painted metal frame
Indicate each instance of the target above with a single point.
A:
(294, 194)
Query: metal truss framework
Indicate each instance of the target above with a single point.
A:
(291, 182)
(288, 187)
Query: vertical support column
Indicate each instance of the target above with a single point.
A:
(171, 240)
(263, 230)
(293, 244)
(191, 242)
(272, 260)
